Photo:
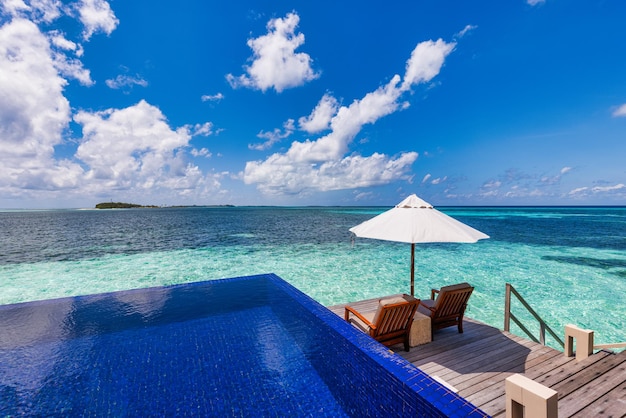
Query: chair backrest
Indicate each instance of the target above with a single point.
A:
(452, 300)
(394, 315)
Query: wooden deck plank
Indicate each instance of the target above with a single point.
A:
(478, 361)
(591, 374)
(590, 391)
(611, 405)
(492, 398)
(475, 382)
(559, 374)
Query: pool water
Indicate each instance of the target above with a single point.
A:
(250, 346)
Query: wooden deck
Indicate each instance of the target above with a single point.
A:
(478, 361)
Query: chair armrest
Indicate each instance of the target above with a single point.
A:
(433, 292)
(350, 309)
(430, 308)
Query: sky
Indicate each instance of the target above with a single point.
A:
(291, 103)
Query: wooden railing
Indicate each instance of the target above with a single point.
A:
(508, 316)
(608, 346)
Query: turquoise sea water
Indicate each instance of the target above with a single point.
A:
(568, 263)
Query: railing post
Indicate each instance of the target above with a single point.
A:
(542, 333)
(584, 342)
(525, 397)
(507, 308)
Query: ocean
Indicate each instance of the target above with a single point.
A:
(569, 263)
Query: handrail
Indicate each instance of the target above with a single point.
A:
(508, 316)
(614, 345)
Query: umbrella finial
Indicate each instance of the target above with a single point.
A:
(414, 202)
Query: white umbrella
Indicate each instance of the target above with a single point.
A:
(416, 221)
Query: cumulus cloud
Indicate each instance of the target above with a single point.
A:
(212, 97)
(59, 40)
(320, 117)
(620, 111)
(617, 190)
(491, 188)
(72, 68)
(322, 164)
(33, 111)
(96, 16)
(467, 29)
(274, 136)
(125, 81)
(275, 64)
(201, 129)
(549, 180)
(578, 191)
(202, 152)
(38, 10)
(134, 147)
(426, 62)
(604, 189)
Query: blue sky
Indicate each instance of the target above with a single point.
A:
(519, 102)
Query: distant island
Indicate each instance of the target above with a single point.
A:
(122, 205)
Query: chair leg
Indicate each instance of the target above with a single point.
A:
(460, 325)
(406, 343)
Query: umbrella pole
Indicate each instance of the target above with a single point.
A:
(412, 269)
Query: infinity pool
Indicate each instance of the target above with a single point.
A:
(248, 346)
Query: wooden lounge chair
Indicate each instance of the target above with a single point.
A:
(391, 323)
(448, 308)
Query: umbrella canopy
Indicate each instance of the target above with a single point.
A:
(416, 221)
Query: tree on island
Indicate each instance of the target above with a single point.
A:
(121, 205)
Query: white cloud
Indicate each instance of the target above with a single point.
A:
(320, 117)
(275, 63)
(439, 180)
(346, 124)
(363, 196)
(131, 147)
(33, 112)
(425, 179)
(347, 173)
(273, 137)
(14, 7)
(322, 164)
(465, 31)
(203, 152)
(134, 148)
(212, 97)
(493, 184)
(620, 112)
(578, 191)
(123, 80)
(617, 190)
(134, 151)
(58, 39)
(608, 189)
(72, 68)
(201, 129)
(37, 10)
(550, 180)
(535, 2)
(96, 16)
(426, 62)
